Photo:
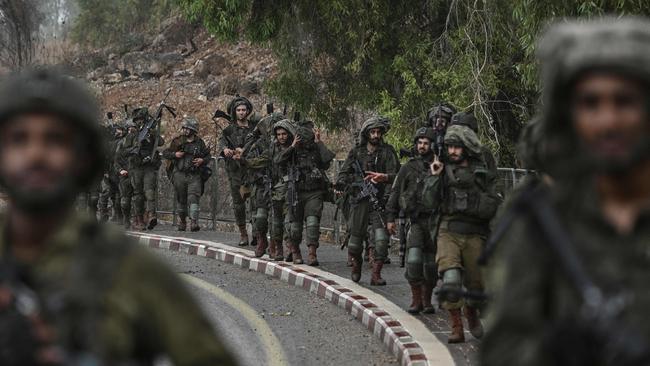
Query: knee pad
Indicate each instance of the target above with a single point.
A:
(381, 236)
(414, 262)
(355, 245)
(261, 214)
(452, 280)
(194, 211)
(313, 229)
(295, 231)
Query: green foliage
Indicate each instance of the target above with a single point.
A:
(118, 22)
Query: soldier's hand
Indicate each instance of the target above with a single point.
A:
(197, 161)
(376, 177)
(296, 141)
(124, 173)
(437, 166)
(180, 154)
(391, 227)
(228, 153)
(316, 135)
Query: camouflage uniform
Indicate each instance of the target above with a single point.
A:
(143, 163)
(106, 300)
(185, 176)
(466, 201)
(540, 314)
(233, 137)
(421, 271)
(382, 160)
(121, 163)
(260, 177)
(110, 182)
(308, 160)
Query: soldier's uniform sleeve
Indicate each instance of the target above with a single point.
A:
(431, 191)
(392, 205)
(392, 164)
(223, 143)
(162, 313)
(326, 155)
(284, 156)
(120, 157)
(170, 152)
(259, 161)
(346, 173)
(515, 319)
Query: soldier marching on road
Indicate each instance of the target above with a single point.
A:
(420, 256)
(187, 155)
(462, 192)
(121, 166)
(110, 181)
(373, 163)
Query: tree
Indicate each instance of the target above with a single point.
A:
(19, 25)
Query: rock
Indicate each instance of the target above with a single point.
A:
(249, 87)
(213, 90)
(229, 85)
(149, 65)
(174, 31)
(181, 73)
(200, 69)
(212, 64)
(202, 98)
(113, 78)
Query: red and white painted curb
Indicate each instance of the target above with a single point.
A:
(390, 331)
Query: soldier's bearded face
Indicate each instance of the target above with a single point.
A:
(423, 146)
(455, 153)
(186, 131)
(39, 160)
(610, 119)
(282, 136)
(441, 123)
(241, 112)
(375, 135)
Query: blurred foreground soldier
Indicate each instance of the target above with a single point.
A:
(110, 181)
(73, 291)
(421, 271)
(188, 155)
(463, 194)
(231, 147)
(121, 166)
(366, 175)
(305, 162)
(576, 258)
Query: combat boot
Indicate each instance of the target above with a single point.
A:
(272, 249)
(243, 236)
(279, 255)
(152, 221)
(289, 257)
(473, 321)
(357, 262)
(350, 260)
(416, 299)
(457, 334)
(312, 260)
(262, 244)
(427, 293)
(139, 223)
(376, 279)
(182, 223)
(297, 256)
(194, 225)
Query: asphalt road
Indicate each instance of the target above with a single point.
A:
(333, 260)
(266, 322)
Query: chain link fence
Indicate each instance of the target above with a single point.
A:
(216, 202)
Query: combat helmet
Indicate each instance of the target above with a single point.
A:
(49, 91)
(287, 125)
(191, 124)
(465, 119)
(236, 102)
(459, 135)
(426, 132)
(443, 109)
(140, 113)
(130, 124)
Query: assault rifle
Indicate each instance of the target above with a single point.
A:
(367, 189)
(221, 114)
(292, 188)
(401, 221)
(153, 124)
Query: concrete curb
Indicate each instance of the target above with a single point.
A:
(387, 329)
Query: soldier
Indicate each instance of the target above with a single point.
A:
(110, 181)
(188, 156)
(305, 162)
(143, 164)
(421, 271)
(374, 161)
(76, 291)
(260, 177)
(575, 258)
(463, 193)
(231, 144)
(468, 119)
(121, 166)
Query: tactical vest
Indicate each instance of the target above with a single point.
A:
(311, 177)
(466, 196)
(192, 150)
